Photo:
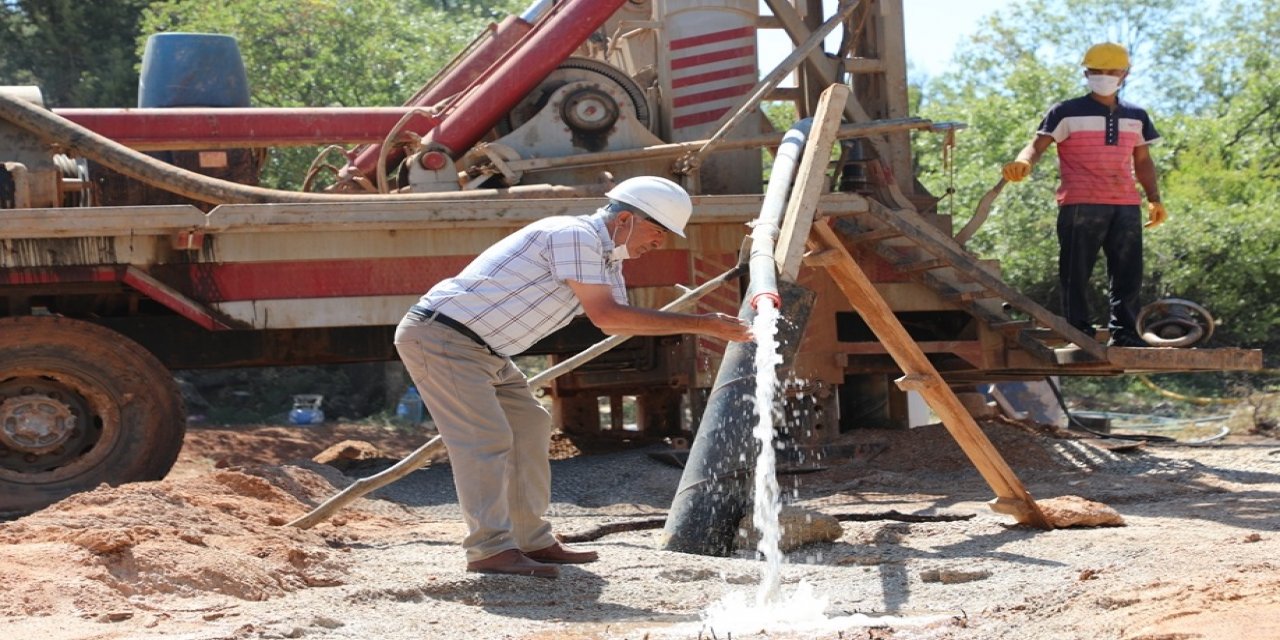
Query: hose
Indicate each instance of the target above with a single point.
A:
(1198, 400)
(1057, 393)
(70, 137)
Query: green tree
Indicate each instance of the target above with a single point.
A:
(325, 53)
(81, 54)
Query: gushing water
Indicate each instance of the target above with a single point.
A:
(771, 609)
(767, 507)
(802, 611)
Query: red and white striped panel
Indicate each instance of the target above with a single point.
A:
(710, 70)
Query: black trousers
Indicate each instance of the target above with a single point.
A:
(1083, 229)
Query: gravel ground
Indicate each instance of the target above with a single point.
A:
(203, 555)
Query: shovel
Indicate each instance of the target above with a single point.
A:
(979, 214)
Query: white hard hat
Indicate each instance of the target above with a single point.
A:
(662, 200)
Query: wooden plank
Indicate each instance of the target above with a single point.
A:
(920, 266)
(1010, 327)
(864, 65)
(820, 258)
(864, 298)
(1031, 345)
(66, 222)
(875, 235)
(970, 350)
(824, 70)
(960, 297)
(941, 245)
(1157, 359)
(810, 183)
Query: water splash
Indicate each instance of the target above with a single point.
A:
(767, 507)
(802, 611)
(771, 610)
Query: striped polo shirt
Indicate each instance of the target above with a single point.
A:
(1095, 149)
(515, 293)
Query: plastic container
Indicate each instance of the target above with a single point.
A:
(192, 70)
(306, 410)
(410, 408)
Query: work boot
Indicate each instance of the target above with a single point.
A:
(512, 562)
(560, 554)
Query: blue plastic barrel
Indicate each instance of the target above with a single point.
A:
(192, 70)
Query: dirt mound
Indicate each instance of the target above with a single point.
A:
(216, 534)
(230, 446)
(1023, 446)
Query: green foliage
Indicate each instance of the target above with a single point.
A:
(265, 394)
(80, 54)
(781, 115)
(1212, 83)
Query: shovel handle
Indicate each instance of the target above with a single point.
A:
(980, 214)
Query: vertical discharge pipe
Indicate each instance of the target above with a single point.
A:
(715, 487)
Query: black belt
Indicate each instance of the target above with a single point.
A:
(425, 314)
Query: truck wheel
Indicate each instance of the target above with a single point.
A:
(80, 405)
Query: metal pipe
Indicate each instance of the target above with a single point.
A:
(464, 121)
(715, 486)
(846, 131)
(768, 226)
(73, 138)
(203, 128)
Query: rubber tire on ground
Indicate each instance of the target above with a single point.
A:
(118, 381)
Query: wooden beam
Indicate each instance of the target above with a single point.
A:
(820, 258)
(1012, 496)
(970, 350)
(1031, 345)
(963, 297)
(824, 70)
(810, 182)
(864, 65)
(1157, 359)
(923, 265)
(874, 235)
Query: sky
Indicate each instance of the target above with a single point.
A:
(933, 28)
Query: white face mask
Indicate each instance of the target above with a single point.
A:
(620, 250)
(1104, 85)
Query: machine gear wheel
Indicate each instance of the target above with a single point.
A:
(577, 70)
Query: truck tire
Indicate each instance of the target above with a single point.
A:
(80, 405)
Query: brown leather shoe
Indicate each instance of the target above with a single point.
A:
(561, 554)
(512, 562)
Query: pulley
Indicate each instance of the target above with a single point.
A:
(1174, 322)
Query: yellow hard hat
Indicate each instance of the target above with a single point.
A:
(1106, 56)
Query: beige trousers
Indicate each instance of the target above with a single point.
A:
(498, 436)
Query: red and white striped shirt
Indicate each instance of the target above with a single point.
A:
(1095, 149)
